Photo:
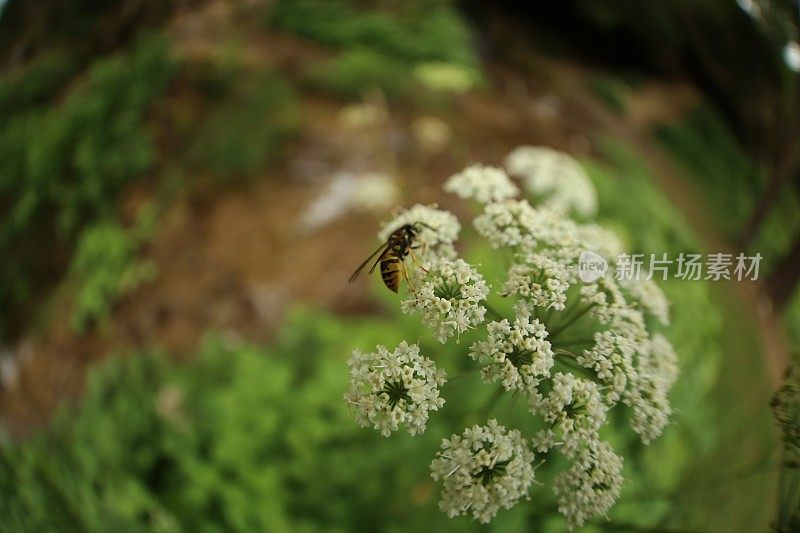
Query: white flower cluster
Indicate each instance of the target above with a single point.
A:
(516, 224)
(573, 350)
(600, 240)
(663, 361)
(649, 296)
(591, 486)
(515, 354)
(449, 298)
(611, 358)
(657, 372)
(482, 184)
(484, 469)
(575, 409)
(539, 281)
(508, 224)
(389, 389)
(603, 299)
(554, 178)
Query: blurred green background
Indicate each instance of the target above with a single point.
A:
(178, 224)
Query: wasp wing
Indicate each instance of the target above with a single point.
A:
(382, 249)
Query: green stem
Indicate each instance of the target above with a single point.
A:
(561, 351)
(570, 321)
(508, 258)
(548, 316)
(492, 401)
(572, 342)
(465, 374)
(569, 359)
(491, 311)
(513, 404)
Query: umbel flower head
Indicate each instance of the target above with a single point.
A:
(484, 469)
(449, 298)
(539, 281)
(390, 389)
(611, 359)
(575, 408)
(573, 350)
(482, 184)
(656, 373)
(515, 354)
(591, 486)
(508, 224)
(600, 240)
(553, 177)
(517, 225)
(646, 294)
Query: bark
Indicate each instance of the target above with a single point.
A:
(786, 157)
(782, 283)
(777, 183)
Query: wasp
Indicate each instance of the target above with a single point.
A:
(392, 254)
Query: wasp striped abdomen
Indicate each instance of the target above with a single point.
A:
(390, 270)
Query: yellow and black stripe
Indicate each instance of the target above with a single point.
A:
(390, 270)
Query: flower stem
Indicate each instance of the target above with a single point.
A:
(572, 342)
(561, 351)
(465, 374)
(548, 316)
(492, 401)
(561, 327)
(569, 359)
(491, 311)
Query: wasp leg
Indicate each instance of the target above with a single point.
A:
(424, 247)
(405, 275)
(416, 261)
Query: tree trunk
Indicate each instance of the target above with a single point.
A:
(785, 167)
(782, 283)
(762, 209)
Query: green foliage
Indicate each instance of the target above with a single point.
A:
(87, 28)
(245, 439)
(105, 268)
(409, 31)
(717, 164)
(378, 47)
(720, 359)
(786, 410)
(37, 83)
(355, 71)
(65, 165)
(611, 91)
(650, 223)
(247, 127)
(93, 144)
(731, 181)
